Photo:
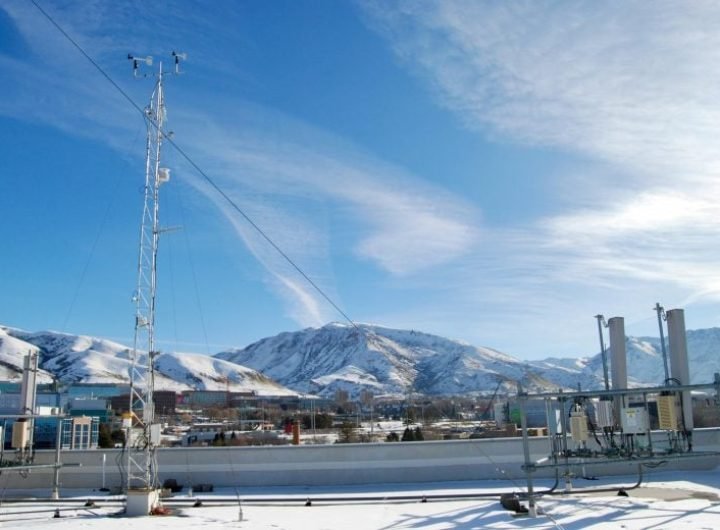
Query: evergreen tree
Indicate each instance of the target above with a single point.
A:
(347, 433)
(118, 436)
(306, 422)
(322, 421)
(105, 440)
(392, 437)
(419, 435)
(408, 435)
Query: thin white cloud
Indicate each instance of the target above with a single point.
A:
(656, 210)
(298, 184)
(404, 225)
(630, 86)
(306, 310)
(624, 81)
(303, 192)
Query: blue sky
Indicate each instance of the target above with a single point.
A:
(496, 172)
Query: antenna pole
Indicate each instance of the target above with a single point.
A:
(661, 316)
(142, 433)
(603, 352)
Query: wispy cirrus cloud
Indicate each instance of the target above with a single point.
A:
(626, 88)
(305, 187)
(627, 83)
(623, 81)
(629, 86)
(301, 185)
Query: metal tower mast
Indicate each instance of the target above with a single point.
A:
(142, 433)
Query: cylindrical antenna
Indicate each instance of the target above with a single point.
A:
(661, 315)
(603, 353)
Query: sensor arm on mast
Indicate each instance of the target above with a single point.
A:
(178, 57)
(148, 60)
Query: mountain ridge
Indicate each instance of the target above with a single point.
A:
(84, 359)
(350, 358)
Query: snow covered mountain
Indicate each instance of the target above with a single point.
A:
(77, 358)
(342, 357)
(387, 361)
(384, 361)
(12, 352)
(644, 362)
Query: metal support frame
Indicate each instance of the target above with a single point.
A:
(522, 396)
(142, 433)
(650, 455)
(141, 472)
(623, 392)
(58, 452)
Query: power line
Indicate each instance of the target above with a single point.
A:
(197, 168)
(86, 267)
(194, 273)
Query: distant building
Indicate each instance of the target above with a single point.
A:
(165, 402)
(80, 433)
(13, 387)
(206, 398)
(96, 408)
(10, 402)
(120, 404)
(45, 433)
(96, 390)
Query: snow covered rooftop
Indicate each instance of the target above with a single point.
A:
(668, 500)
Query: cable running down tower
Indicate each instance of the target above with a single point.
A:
(142, 432)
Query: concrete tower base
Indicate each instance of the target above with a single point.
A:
(141, 502)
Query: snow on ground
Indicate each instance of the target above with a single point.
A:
(668, 501)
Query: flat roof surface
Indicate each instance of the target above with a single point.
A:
(665, 500)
